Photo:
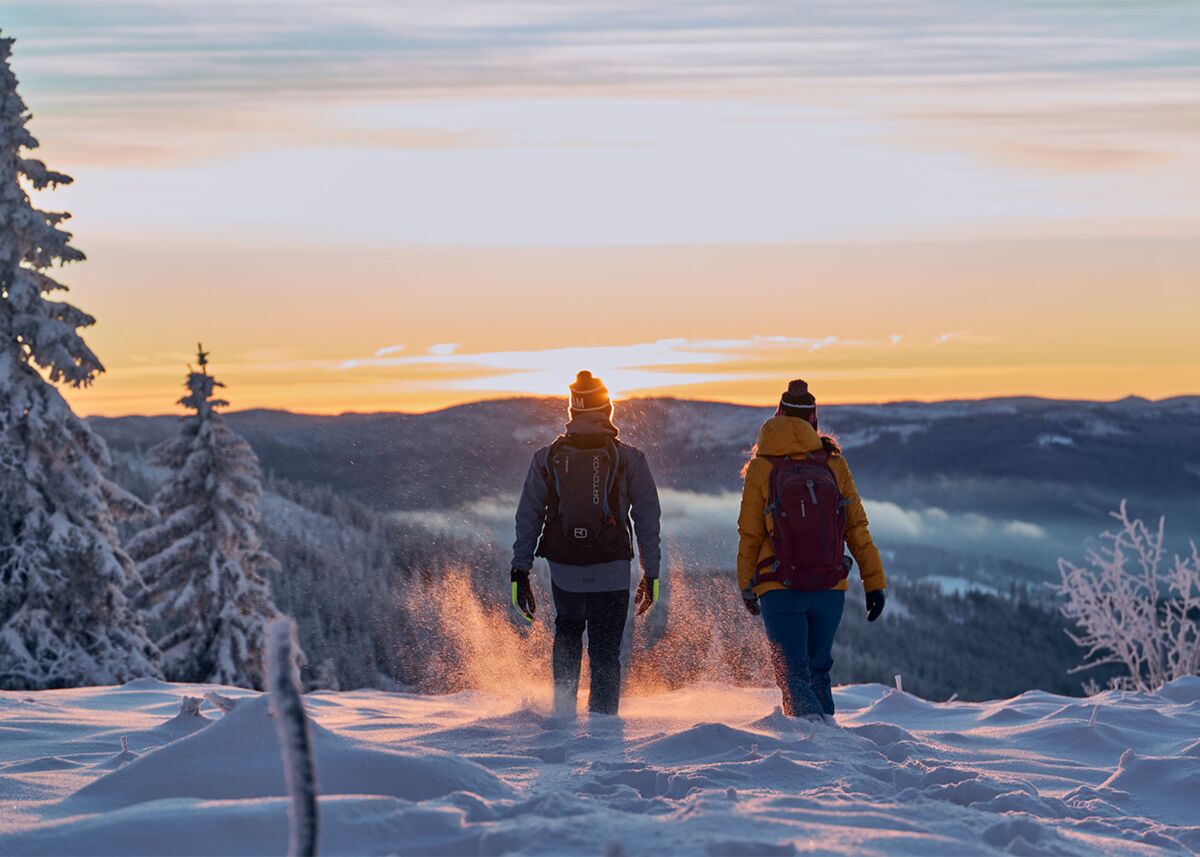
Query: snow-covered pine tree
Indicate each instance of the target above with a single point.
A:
(207, 601)
(64, 616)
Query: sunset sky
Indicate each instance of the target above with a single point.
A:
(398, 206)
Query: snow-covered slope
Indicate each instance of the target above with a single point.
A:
(707, 770)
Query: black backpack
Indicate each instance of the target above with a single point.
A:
(584, 525)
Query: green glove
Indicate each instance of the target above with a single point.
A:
(522, 595)
(647, 594)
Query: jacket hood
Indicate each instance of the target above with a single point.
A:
(787, 436)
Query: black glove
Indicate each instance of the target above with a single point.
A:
(646, 595)
(750, 600)
(875, 600)
(522, 595)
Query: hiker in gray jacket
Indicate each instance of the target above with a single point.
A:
(576, 508)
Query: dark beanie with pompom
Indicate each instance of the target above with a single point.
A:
(798, 402)
(589, 394)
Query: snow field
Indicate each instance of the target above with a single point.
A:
(707, 770)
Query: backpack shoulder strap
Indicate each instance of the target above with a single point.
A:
(618, 450)
(551, 451)
(550, 476)
(822, 457)
(775, 461)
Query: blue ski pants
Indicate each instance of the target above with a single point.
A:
(801, 627)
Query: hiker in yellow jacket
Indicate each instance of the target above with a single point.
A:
(800, 509)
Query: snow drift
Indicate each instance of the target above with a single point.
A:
(708, 769)
(238, 757)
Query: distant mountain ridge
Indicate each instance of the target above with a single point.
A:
(984, 492)
(1092, 453)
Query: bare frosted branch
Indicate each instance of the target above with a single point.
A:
(1132, 612)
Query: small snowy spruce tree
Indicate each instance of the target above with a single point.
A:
(207, 601)
(64, 581)
(1132, 611)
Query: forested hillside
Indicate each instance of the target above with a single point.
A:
(386, 602)
(390, 528)
(972, 494)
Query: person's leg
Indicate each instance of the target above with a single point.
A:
(605, 628)
(824, 616)
(779, 669)
(569, 621)
(785, 617)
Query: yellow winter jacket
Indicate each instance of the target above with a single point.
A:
(796, 438)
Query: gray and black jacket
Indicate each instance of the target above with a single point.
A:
(637, 501)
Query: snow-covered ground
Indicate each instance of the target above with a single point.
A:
(708, 770)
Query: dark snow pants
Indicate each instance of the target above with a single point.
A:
(602, 614)
(801, 627)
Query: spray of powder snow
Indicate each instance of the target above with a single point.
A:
(464, 635)
(699, 632)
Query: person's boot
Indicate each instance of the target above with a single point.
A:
(804, 697)
(566, 700)
(604, 696)
(823, 689)
(566, 661)
(779, 668)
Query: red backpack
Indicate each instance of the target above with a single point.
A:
(809, 533)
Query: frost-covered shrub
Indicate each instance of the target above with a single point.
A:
(1133, 608)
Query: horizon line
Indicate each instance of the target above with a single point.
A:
(496, 399)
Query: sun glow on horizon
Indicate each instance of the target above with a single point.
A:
(625, 369)
(416, 205)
